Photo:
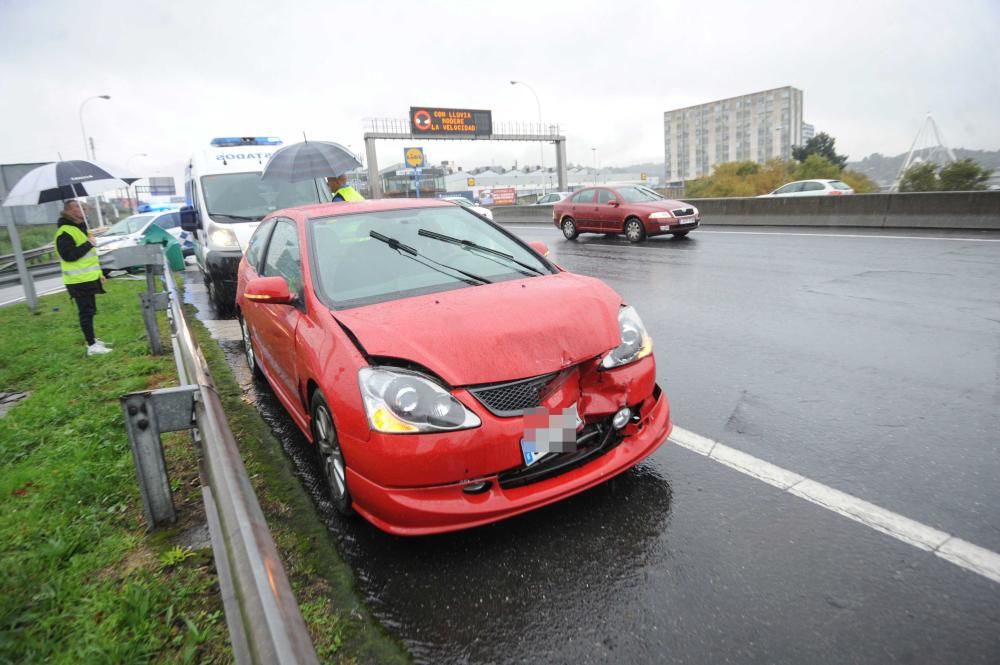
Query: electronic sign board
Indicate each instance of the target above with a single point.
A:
(441, 123)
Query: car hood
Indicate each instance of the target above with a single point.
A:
(107, 243)
(665, 204)
(495, 332)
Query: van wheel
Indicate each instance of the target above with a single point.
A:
(634, 230)
(331, 457)
(220, 298)
(569, 228)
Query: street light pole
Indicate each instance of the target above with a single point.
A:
(541, 146)
(595, 164)
(128, 167)
(90, 155)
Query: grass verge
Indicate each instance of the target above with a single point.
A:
(83, 581)
(342, 629)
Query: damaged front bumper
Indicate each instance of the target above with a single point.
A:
(602, 452)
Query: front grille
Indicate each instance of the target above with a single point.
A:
(513, 398)
(682, 212)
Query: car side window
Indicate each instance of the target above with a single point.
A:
(586, 196)
(257, 243)
(812, 186)
(283, 257)
(788, 189)
(604, 196)
(169, 221)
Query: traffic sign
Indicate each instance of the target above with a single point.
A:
(450, 122)
(471, 182)
(642, 176)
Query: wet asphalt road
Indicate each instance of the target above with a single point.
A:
(869, 364)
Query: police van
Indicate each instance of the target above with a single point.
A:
(226, 200)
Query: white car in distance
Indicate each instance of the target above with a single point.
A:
(466, 203)
(812, 188)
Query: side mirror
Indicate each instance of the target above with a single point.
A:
(539, 247)
(269, 290)
(190, 219)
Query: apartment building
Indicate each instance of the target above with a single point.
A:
(754, 127)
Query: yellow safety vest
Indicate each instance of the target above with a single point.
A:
(349, 193)
(85, 269)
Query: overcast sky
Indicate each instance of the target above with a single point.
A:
(179, 72)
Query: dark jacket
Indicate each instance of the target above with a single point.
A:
(69, 251)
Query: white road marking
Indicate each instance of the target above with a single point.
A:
(39, 294)
(848, 235)
(960, 552)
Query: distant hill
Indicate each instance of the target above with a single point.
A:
(883, 169)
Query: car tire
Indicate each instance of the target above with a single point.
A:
(681, 234)
(331, 456)
(221, 298)
(569, 228)
(249, 352)
(634, 230)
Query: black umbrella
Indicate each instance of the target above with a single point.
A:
(309, 160)
(59, 181)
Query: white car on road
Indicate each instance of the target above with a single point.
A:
(466, 203)
(812, 188)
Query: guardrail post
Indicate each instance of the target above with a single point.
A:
(151, 302)
(147, 451)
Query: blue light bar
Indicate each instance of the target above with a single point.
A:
(233, 141)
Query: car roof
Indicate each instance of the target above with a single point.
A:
(333, 209)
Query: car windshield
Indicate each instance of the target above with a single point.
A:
(352, 268)
(638, 194)
(242, 196)
(128, 225)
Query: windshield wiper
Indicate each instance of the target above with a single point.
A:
(420, 258)
(240, 217)
(468, 244)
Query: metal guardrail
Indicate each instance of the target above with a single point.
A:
(9, 261)
(265, 624)
(8, 265)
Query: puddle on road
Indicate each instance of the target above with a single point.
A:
(512, 591)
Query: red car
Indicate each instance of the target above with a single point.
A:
(636, 211)
(448, 373)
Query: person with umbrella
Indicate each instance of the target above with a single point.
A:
(341, 191)
(81, 270)
(314, 159)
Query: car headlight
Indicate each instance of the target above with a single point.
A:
(660, 215)
(636, 342)
(223, 239)
(398, 402)
(695, 211)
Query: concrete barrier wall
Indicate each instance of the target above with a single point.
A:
(933, 210)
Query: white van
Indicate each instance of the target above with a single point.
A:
(226, 200)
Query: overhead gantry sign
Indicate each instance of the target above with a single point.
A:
(436, 123)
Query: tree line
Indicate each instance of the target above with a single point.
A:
(818, 159)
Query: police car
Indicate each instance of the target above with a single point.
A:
(131, 231)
